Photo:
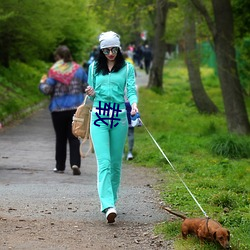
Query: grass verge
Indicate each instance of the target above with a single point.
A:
(214, 164)
(19, 89)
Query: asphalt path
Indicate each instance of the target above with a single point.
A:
(26, 164)
(31, 190)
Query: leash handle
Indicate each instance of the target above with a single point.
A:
(174, 169)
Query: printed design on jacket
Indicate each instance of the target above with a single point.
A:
(110, 114)
(75, 87)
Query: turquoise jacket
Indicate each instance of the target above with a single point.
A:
(110, 88)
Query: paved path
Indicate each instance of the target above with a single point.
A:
(27, 160)
(26, 163)
(141, 78)
(30, 190)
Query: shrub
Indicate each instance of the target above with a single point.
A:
(231, 146)
(223, 200)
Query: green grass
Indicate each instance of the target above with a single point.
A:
(19, 88)
(214, 164)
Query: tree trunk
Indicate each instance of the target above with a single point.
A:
(235, 109)
(223, 38)
(159, 47)
(201, 99)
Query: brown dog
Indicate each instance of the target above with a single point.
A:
(204, 229)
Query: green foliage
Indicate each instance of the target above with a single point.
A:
(175, 25)
(243, 59)
(175, 28)
(29, 33)
(19, 87)
(219, 183)
(224, 200)
(128, 18)
(241, 17)
(231, 146)
(170, 230)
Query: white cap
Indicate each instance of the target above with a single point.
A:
(109, 39)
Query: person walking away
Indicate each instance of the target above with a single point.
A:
(131, 129)
(139, 56)
(93, 55)
(108, 77)
(65, 84)
(147, 54)
(130, 133)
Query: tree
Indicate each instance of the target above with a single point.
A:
(241, 17)
(28, 33)
(242, 33)
(126, 17)
(201, 99)
(223, 38)
(159, 46)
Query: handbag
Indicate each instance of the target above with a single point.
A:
(81, 126)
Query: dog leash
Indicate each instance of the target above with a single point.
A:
(174, 169)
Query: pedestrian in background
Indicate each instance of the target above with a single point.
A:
(131, 129)
(108, 77)
(92, 57)
(65, 83)
(147, 54)
(138, 52)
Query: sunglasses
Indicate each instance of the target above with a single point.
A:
(106, 51)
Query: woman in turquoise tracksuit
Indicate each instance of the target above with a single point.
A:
(108, 77)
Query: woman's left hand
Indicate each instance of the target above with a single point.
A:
(134, 109)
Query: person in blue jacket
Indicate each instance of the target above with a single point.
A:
(65, 83)
(108, 77)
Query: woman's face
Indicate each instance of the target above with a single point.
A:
(110, 53)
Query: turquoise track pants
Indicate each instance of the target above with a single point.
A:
(108, 144)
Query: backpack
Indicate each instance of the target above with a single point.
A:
(81, 126)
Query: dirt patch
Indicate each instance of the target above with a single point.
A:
(50, 234)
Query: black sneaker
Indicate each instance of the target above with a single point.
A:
(58, 171)
(76, 170)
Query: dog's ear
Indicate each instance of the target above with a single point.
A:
(228, 237)
(214, 235)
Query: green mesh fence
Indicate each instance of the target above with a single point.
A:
(207, 55)
(208, 58)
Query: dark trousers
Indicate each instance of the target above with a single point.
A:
(130, 129)
(62, 122)
(131, 139)
(147, 65)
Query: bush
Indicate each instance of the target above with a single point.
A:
(231, 146)
(223, 200)
(19, 88)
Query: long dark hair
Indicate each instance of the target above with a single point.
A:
(102, 67)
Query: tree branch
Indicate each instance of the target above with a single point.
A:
(202, 9)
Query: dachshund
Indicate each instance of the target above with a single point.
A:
(204, 229)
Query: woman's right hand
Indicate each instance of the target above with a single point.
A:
(90, 91)
(43, 79)
(134, 109)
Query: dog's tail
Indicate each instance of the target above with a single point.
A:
(175, 213)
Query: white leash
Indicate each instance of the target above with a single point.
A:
(174, 169)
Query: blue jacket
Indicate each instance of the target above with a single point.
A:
(65, 97)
